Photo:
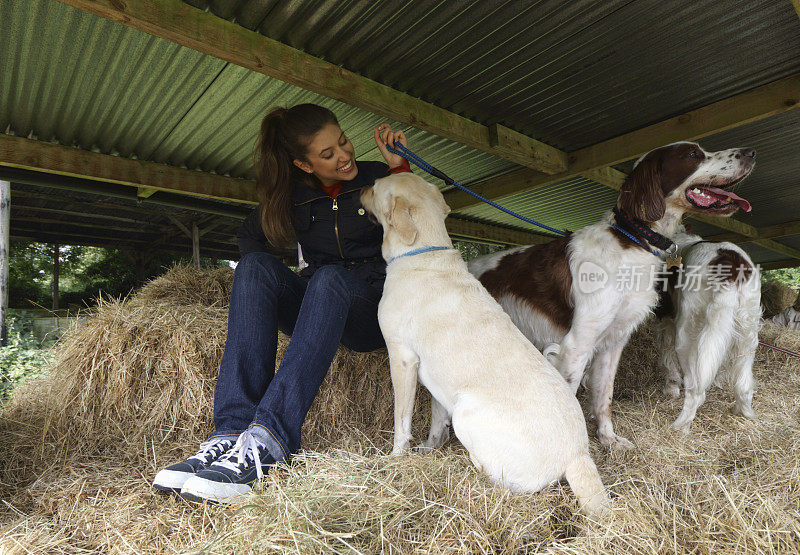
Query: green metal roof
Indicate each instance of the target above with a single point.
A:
(570, 74)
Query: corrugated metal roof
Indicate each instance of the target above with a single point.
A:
(762, 255)
(793, 242)
(568, 73)
(79, 80)
(571, 74)
(570, 204)
(106, 87)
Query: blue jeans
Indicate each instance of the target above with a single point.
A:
(333, 306)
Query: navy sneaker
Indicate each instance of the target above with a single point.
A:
(233, 475)
(172, 478)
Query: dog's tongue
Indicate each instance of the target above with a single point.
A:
(722, 194)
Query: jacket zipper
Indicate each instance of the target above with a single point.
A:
(335, 209)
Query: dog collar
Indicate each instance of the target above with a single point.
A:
(418, 251)
(638, 227)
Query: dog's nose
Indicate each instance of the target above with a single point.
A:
(748, 152)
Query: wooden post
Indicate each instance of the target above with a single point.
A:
(196, 245)
(5, 245)
(56, 252)
(139, 258)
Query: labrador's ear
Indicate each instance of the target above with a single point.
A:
(400, 219)
(445, 208)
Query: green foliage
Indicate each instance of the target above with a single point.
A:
(84, 272)
(470, 250)
(786, 276)
(23, 357)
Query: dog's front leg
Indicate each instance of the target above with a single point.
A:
(604, 369)
(573, 356)
(440, 427)
(404, 365)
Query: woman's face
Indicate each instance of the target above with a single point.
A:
(330, 156)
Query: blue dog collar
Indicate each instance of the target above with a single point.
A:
(419, 251)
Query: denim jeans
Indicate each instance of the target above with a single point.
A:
(333, 306)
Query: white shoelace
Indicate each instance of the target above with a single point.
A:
(246, 448)
(212, 447)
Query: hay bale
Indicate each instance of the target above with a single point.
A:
(79, 482)
(776, 297)
(183, 285)
(142, 371)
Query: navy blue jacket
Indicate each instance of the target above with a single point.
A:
(330, 231)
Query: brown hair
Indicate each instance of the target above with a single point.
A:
(284, 137)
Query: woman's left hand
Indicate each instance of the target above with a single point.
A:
(385, 136)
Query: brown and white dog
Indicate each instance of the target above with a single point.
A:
(710, 324)
(510, 408)
(589, 290)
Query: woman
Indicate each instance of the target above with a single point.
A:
(309, 184)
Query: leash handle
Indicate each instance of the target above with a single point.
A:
(403, 151)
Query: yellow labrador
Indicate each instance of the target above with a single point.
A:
(510, 408)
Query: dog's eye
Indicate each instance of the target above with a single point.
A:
(694, 153)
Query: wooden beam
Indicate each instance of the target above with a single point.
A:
(228, 254)
(779, 230)
(511, 183)
(774, 246)
(58, 211)
(183, 24)
(145, 192)
(56, 260)
(761, 102)
(5, 254)
(18, 152)
(196, 245)
(726, 223)
(149, 228)
(180, 225)
(474, 231)
(778, 264)
(767, 232)
(766, 100)
(729, 237)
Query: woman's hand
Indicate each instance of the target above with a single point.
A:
(385, 136)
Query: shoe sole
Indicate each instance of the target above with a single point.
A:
(202, 490)
(171, 481)
(165, 489)
(196, 499)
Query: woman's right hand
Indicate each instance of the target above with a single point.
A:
(385, 136)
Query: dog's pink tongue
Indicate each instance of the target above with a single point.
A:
(723, 194)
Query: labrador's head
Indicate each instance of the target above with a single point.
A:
(411, 211)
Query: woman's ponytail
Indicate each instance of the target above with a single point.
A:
(284, 138)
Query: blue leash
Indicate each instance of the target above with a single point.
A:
(401, 150)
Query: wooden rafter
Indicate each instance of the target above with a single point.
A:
(474, 231)
(766, 232)
(767, 100)
(778, 264)
(183, 24)
(28, 154)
